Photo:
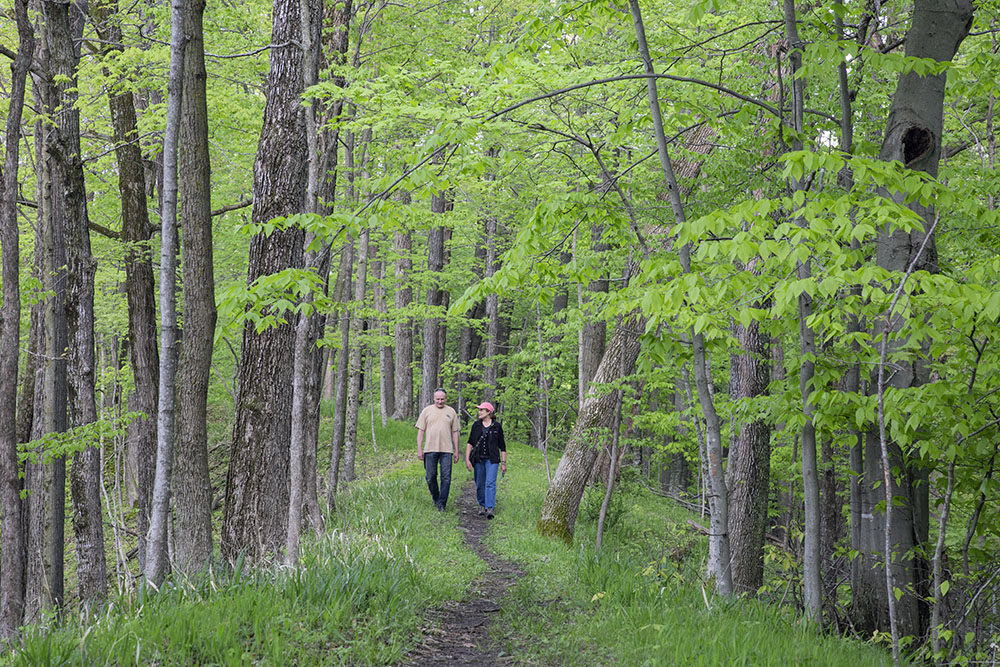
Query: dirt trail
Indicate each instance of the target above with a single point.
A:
(458, 632)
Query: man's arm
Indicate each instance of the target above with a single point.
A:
(454, 441)
(420, 444)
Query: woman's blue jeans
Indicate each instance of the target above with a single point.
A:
(485, 474)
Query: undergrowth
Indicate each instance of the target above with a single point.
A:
(386, 558)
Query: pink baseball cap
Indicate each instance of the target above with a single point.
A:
(485, 405)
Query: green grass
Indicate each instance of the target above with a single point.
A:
(359, 597)
(387, 557)
(641, 600)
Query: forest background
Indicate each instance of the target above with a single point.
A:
(748, 251)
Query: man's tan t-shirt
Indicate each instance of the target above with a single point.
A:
(438, 424)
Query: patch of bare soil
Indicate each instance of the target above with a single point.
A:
(458, 632)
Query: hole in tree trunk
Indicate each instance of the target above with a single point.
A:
(916, 143)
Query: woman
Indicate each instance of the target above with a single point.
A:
(485, 454)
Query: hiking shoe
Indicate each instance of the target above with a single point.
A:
(482, 511)
(489, 513)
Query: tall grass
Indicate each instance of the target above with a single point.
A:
(358, 597)
(642, 599)
(363, 589)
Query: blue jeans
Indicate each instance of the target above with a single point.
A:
(485, 474)
(431, 460)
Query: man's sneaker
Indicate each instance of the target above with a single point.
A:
(489, 514)
(440, 507)
(482, 510)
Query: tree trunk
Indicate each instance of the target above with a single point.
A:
(356, 369)
(718, 546)
(749, 470)
(431, 365)
(812, 586)
(340, 404)
(192, 485)
(387, 400)
(45, 481)
(12, 544)
(256, 508)
(139, 288)
(913, 136)
(158, 556)
(403, 331)
(562, 501)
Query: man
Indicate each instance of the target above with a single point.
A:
(437, 443)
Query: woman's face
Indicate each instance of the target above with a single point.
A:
(483, 413)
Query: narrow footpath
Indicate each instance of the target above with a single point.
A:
(457, 633)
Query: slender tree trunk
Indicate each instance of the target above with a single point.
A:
(191, 483)
(431, 366)
(403, 331)
(356, 370)
(257, 485)
(812, 579)
(45, 482)
(340, 404)
(157, 558)
(139, 288)
(12, 542)
(718, 549)
(387, 400)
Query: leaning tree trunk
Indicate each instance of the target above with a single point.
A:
(256, 508)
(191, 483)
(562, 501)
(139, 287)
(913, 137)
(12, 546)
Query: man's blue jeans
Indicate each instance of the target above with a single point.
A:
(431, 460)
(485, 474)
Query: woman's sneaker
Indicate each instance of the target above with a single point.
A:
(482, 510)
(489, 514)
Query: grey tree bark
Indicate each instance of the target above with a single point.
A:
(913, 136)
(812, 580)
(307, 328)
(340, 404)
(718, 547)
(355, 361)
(12, 542)
(562, 500)
(431, 363)
(403, 329)
(257, 484)
(749, 469)
(387, 400)
(192, 486)
(140, 455)
(45, 479)
(157, 557)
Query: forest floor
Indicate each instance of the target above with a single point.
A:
(457, 633)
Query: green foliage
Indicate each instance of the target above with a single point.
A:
(56, 445)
